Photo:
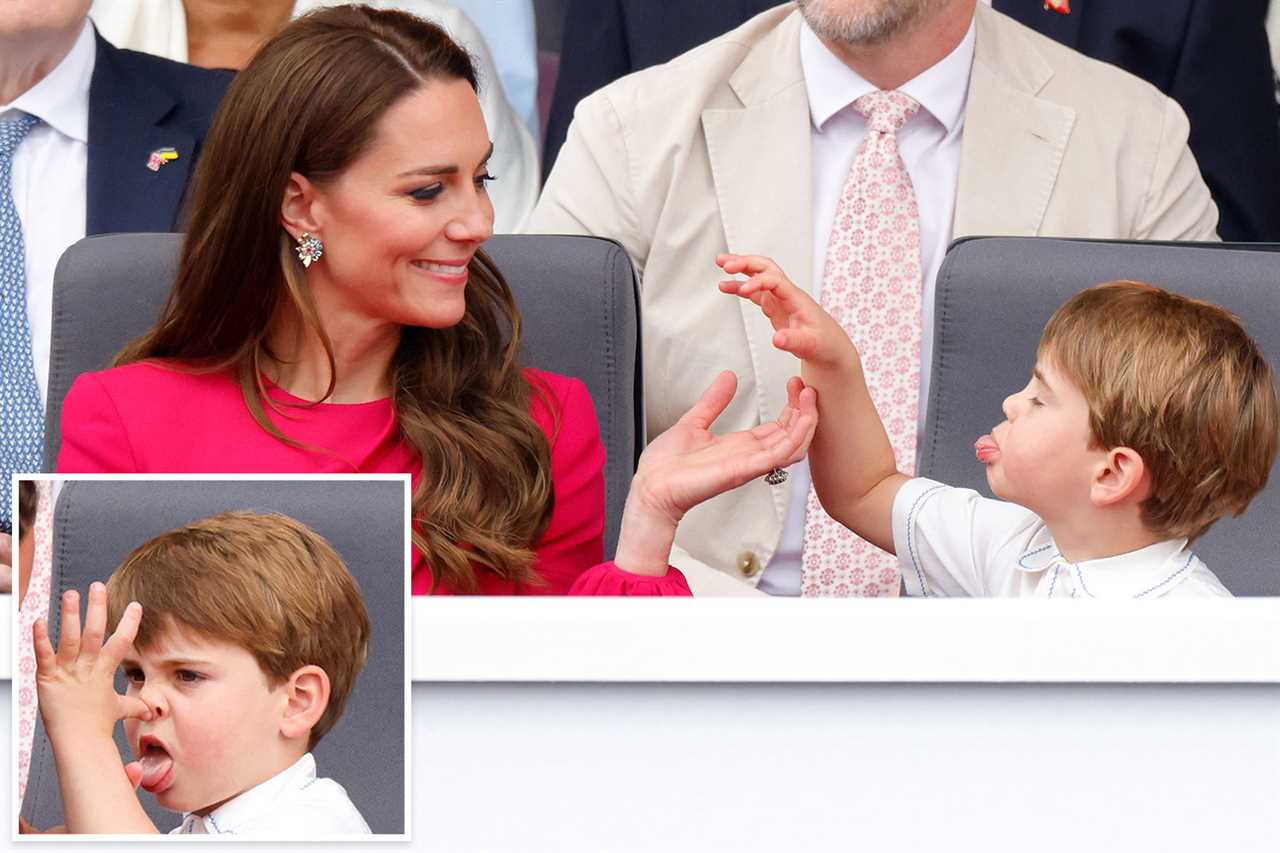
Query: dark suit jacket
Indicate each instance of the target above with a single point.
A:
(607, 39)
(138, 103)
(1210, 56)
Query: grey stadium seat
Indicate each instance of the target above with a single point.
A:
(577, 296)
(994, 295)
(98, 523)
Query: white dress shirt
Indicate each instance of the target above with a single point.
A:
(50, 182)
(159, 27)
(293, 804)
(955, 542)
(930, 144)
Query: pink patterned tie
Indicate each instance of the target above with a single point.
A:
(871, 285)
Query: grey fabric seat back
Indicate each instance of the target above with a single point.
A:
(994, 296)
(98, 523)
(577, 296)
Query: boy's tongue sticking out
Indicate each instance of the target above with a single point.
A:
(986, 449)
(157, 765)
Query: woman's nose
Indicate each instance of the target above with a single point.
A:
(473, 224)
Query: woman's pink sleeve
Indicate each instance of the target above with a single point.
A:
(609, 579)
(94, 439)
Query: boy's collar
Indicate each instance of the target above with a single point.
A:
(229, 817)
(1145, 573)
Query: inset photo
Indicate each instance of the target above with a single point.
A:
(212, 656)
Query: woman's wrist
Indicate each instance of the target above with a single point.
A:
(644, 544)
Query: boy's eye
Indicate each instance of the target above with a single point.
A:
(187, 676)
(134, 674)
(1035, 401)
(427, 193)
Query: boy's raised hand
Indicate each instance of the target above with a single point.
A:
(75, 684)
(800, 325)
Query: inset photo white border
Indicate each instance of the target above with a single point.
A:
(9, 652)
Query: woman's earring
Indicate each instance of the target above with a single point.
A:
(309, 249)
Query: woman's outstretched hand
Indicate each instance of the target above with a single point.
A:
(687, 464)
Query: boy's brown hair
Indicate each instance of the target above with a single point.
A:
(264, 582)
(1180, 382)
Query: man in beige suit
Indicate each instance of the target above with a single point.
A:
(742, 144)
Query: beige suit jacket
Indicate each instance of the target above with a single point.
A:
(711, 153)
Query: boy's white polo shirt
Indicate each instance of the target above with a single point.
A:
(955, 542)
(291, 804)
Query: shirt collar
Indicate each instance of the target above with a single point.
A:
(1146, 572)
(244, 808)
(941, 90)
(61, 99)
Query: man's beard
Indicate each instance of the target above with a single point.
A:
(875, 22)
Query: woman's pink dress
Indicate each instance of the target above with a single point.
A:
(149, 417)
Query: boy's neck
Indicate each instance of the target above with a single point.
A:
(1100, 533)
(284, 764)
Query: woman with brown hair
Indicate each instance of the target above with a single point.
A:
(333, 312)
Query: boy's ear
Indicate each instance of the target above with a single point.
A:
(307, 696)
(300, 207)
(1120, 476)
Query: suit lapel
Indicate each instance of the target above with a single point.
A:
(760, 164)
(1014, 141)
(126, 111)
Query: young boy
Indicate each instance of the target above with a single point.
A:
(1148, 417)
(240, 636)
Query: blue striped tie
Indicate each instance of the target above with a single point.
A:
(21, 412)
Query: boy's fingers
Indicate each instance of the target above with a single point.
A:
(46, 659)
(114, 650)
(131, 707)
(69, 639)
(95, 619)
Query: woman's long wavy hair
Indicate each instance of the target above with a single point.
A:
(310, 102)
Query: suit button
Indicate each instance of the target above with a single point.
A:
(748, 564)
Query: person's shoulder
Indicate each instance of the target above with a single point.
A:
(559, 386)
(320, 807)
(157, 380)
(1071, 77)
(1199, 582)
(555, 397)
(182, 81)
(699, 77)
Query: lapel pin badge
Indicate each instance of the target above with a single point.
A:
(1062, 7)
(161, 156)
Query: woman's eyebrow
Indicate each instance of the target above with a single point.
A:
(451, 169)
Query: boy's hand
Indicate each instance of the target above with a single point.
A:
(800, 325)
(77, 696)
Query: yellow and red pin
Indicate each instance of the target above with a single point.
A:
(1062, 7)
(161, 156)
